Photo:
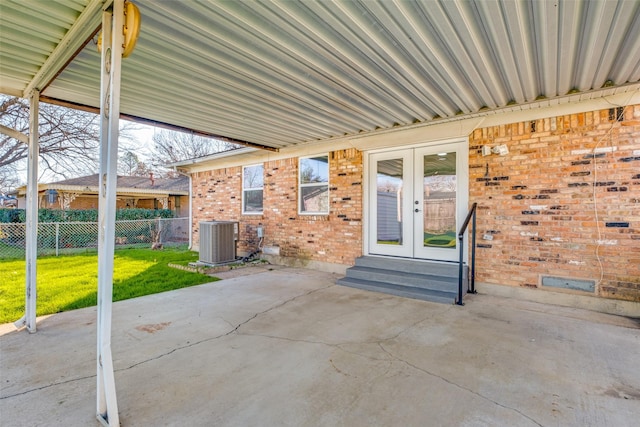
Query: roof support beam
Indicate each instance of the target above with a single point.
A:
(14, 134)
(80, 33)
(32, 210)
(156, 123)
(110, 77)
(197, 132)
(31, 233)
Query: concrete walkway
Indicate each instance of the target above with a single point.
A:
(289, 348)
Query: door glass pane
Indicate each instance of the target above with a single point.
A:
(389, 202)
(440, 200)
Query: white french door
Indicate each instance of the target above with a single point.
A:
(418, 198)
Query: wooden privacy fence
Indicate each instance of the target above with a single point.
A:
(439, 215)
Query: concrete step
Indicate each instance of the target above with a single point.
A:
(436, 268)
(401, 291)
(402, 278)
(425, 280)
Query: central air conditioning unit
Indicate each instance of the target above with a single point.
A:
(218, 242)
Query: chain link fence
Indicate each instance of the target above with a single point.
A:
(56, 238)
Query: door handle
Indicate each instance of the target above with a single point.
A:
(416, 210)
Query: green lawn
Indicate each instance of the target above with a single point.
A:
(70, 282)
(10, 252)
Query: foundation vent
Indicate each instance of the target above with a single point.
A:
(567, 283)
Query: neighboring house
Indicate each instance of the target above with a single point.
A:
(7, 201)
(132, 192)
(558, 201)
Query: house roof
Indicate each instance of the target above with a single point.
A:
(279, 74)
(127, 185)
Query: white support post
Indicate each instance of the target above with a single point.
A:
(29, 319)
(107, 406)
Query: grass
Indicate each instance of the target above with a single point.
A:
(447, 240)
(8, 251)
(71, 282)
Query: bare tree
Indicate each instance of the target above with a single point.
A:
(8, 179)
(129, 164)
(173, 146)
(69, 140)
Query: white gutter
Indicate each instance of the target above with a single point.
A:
(215, 156)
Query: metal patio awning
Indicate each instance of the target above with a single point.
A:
(283, 73)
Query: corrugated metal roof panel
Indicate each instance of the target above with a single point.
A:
(29, 32)
(282, 73)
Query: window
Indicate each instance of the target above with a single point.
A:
(314, 185)
(252, 186)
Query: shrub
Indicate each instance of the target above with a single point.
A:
(86, 215)
(12, 215)
(143, 213)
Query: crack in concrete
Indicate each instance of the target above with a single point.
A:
(392, 356)
(278, 306)
(355, 353)
(226, 321)
(340, 371)
(44, 387)
(369, 384)
(340, 346)
(235, 329)
(275, 337)
(448, 381)
(393, 337)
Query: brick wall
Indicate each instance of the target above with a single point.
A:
(536, 204)
(142, 204)
(81, 202)
(333, 238)
(564, 202)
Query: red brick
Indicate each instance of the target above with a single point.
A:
(545, 163)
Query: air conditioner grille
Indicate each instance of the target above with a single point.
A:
(217, 242)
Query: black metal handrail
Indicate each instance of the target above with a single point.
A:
(472, 272)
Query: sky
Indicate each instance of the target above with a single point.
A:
(141, 144)
(143, 141)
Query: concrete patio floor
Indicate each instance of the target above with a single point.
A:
(287, 347)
